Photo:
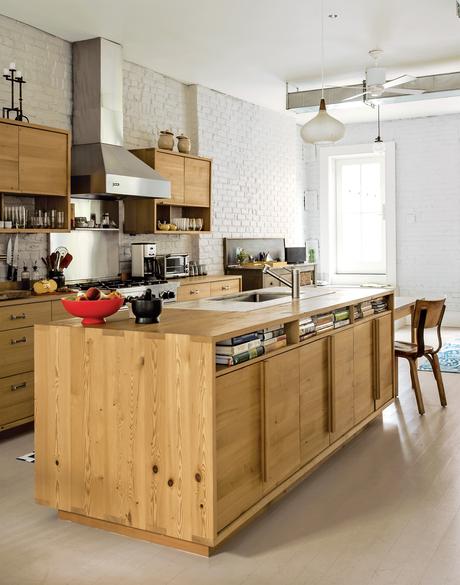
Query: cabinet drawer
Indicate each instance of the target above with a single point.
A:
(16, 398)
(191, 292)
(225, 287)
(20, 316)
(16, 351)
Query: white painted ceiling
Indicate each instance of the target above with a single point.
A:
(249, 48)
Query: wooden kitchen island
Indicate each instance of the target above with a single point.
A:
(138, 432)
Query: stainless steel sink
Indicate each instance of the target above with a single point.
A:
(262, 297)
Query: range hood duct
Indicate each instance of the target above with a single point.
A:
(101, 166)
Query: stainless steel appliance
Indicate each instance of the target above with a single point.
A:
(101, 167)
(296, 255)
(132, 289)
(173, 265)
(143, 260)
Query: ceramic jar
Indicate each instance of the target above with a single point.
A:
(183, 144)
(166, 140)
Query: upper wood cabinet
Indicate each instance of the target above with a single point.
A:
(314, 398)
(9, 157)
(190, 178)
(197, 181)
(43, 167)
(34, 160)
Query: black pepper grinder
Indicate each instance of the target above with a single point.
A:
(25, 279)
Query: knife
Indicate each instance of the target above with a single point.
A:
(15, 258)
(9, 259)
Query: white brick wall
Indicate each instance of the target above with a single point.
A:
(46, 63)
(427, 202)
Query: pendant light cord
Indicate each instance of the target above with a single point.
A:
(322, 49)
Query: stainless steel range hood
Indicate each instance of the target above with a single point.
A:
(101, 166)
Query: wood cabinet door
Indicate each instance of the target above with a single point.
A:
(314, 399)
(197, 182)
(9, 157)
(342, 408)
(384, 360)
(171, 167)
(281, 421)
(364, 374)
(43, 161)
(239, 442)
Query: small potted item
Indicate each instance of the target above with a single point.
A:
(147, 309)
(166, 140)
(183, 144)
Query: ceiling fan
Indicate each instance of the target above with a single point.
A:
(375, 84)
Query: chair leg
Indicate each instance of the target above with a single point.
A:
(416, 385)
(434, 361)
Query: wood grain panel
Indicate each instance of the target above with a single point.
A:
(192, 292)
(384, 359)
(314, 399)
(239, 442)
(9, 157)
(140, 430)
(43, 161)
(171, 167)
(225, 287)
(24, 315)
(281, 405)
(17, 351)
(16, 397)
(342, 383)
(363, 372)
(197, 182)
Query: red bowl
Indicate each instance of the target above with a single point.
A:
(93, 312)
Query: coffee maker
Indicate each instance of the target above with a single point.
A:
(143, 260)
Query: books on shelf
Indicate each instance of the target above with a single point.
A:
(238, 340)
(342, 323)
(236, 349)
(278, 343)
(239, 358)
(379, 305)
(270, 333)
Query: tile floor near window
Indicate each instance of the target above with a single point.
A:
(385, 510)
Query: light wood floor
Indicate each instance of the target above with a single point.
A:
(383, 511)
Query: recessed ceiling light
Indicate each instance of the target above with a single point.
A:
(333, 15)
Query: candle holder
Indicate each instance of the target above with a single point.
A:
(14, 76)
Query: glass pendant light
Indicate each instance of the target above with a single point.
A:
(379, 145)
(323, 128)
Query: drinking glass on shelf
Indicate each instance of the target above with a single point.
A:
(199, 223)
(192, 224)
(60, 220)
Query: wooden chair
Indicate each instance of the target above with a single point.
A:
(427, 315)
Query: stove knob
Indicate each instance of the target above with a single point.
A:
(170, 294)
(163, 294)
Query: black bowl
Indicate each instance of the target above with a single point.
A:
(147, 311)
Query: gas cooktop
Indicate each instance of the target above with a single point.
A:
(116, 284)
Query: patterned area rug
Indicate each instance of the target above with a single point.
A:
(449, 359)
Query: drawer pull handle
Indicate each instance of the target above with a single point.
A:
(194, 292)
(18, 386)
(20, 316)
(20, 340)
(226, 287)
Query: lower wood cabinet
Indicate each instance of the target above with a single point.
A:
(363, 370)
(384, 360)
(314, 398)
(239, 442)
(281, 421)
(342, 388)
(16, 398)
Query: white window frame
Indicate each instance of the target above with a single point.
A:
(328, 261)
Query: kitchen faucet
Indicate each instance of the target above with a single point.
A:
(294, 285)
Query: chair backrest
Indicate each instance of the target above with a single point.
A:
(427, 315)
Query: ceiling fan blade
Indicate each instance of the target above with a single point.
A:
(405, 91)
(399, 81)
(352, 97)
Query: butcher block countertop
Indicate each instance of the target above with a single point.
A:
(219, 325)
